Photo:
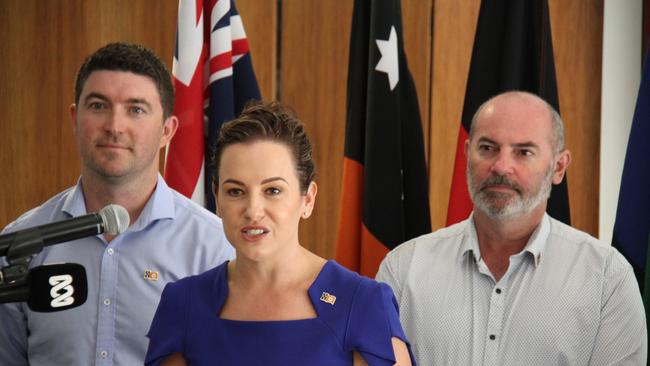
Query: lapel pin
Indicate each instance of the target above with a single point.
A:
(330, 299)
(151, 275)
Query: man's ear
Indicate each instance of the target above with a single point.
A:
(73, 116)
(562, 161)
(170, 125)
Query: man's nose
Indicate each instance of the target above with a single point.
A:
(115, 122)
(503, 164)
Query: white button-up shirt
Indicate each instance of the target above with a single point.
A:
(566, 299)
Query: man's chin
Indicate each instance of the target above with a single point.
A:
(500, 210)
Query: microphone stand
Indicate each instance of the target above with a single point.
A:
(13, 277)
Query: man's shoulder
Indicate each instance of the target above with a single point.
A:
(49, 211)
(186, 209)
(569, 236)
(572, 242)
(439, 240)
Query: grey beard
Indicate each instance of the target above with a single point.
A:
(517, 205)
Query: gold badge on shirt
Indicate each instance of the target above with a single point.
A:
(325, 297)
(151, 275)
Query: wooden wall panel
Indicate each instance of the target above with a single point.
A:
(577, 37)
(577, 28)
(260, 22)
(314, 52)
(417, 20)
(315, 42)
(43, 45)
(453, 36)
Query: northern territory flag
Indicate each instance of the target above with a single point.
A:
(384, 199)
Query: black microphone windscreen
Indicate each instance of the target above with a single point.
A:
(57, 287)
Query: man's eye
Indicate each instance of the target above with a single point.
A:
(96, 106)
(525, 152)
(137, 110)
(485, 148)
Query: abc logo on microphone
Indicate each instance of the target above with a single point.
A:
(57, 287)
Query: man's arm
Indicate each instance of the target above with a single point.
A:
(394, 267)
(622, 336)
(13, 335)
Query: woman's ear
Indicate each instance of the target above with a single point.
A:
(310, 199)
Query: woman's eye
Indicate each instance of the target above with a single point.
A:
(234, 192)
(273, 191)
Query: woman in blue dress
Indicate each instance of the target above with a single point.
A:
(276, 303)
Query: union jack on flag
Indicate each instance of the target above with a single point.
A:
(214, 78)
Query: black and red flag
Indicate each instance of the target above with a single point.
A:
(384, 199)
(512, 51)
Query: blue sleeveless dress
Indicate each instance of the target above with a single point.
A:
(353, 313)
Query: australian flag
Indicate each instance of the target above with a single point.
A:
(214, 79)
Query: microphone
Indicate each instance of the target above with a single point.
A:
(112, 219)
(49, 288)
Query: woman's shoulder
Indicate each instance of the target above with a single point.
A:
(207, 285)
(359, 310)
(338, 291)
(343, 279)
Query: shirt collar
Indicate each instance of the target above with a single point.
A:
(159, 206)
(74, 204)
(535, 246)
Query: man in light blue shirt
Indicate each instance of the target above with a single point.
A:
(121, 118)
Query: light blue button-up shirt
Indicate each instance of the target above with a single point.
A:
(566, 299)
(172, 238)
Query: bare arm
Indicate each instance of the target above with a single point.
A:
(399, 348)
(175, 359)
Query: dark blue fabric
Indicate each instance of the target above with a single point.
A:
(363, 317)
(632, 226)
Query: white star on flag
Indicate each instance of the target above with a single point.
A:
(388, 62)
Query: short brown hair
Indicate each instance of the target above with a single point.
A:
(271, 122)
(133, 58)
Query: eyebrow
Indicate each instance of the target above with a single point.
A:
(95, 95)
(139, 101)
(524, 144)
(265, 181)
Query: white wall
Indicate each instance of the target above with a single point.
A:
(622, 32)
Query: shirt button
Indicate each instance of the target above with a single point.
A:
(493, 337)
(109, 251)
(107, 302)
(498, 291)
(104, 354)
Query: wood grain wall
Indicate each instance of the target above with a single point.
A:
(300, 54)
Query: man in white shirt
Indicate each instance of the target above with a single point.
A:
(511, 285)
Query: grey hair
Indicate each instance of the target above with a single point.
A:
(556, 120)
